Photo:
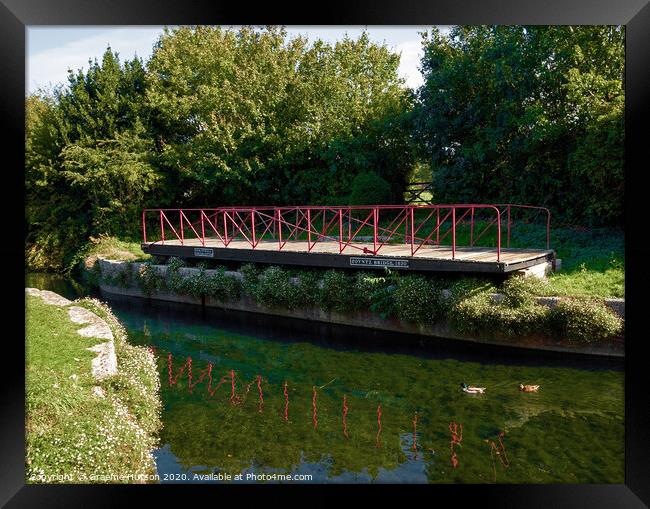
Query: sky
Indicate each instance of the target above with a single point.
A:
(52, 50)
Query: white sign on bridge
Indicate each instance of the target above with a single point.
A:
(204, 252)
(379, 263)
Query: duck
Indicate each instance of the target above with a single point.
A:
(528, 388)
(471, 389)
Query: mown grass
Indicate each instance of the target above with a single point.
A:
(71, 433)
(593, 260)
(51, 371)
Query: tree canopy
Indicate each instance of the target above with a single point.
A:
(526, 115)
(251, 117)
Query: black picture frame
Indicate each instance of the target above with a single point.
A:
(15, 15)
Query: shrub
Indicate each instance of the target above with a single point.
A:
(338, 293)
(174, 281)
(149, 279)
(309, 287)
(418, 299)
(175, 263)
(124, 276)
(526, 320)
(584, 321)
(217, 285)
(479, 314)
(275, 289)
(251, 273)
(464, 288)
(376, 293)
(365, 284)
(522, 290)
(223, 287)
(473, 314)
(197, 284)
(368, 188)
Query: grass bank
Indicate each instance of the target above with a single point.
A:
(75, 432)
(115, 249)
(593, 260)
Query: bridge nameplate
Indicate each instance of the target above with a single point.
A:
(204, 252)
(379, 263)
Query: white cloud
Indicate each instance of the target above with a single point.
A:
(411, 53)
(50, 67)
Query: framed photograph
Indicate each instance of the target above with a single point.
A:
(386, 244)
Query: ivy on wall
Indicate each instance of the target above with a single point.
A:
(467, 304)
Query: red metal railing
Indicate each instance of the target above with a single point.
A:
(507, 208)
(416, 225)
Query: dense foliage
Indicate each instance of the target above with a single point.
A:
(526, 115)
(584, 320)
(419, 299)
(368, 188)
(88, 160)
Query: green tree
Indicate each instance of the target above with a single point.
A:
(88, 160)
(214, 117)
(369, 189)
(526, 114)
(252, 116)
(112, 178)
(103, 101)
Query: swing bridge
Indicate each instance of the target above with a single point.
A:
(466, 238)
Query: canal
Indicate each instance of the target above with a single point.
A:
(349, 405)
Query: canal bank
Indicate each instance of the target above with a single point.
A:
(93, 403)
(230, 290)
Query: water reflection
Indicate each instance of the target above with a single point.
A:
(65, 286)
(549, 436)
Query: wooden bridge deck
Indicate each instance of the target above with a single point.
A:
(326, 254)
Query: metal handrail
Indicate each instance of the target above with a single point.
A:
(245, 222)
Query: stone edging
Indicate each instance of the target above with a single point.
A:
(105, 363)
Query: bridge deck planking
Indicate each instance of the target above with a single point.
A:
(426, 252)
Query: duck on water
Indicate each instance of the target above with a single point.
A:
(480, 390)
(471, 389)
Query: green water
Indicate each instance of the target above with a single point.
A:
(572, 431)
